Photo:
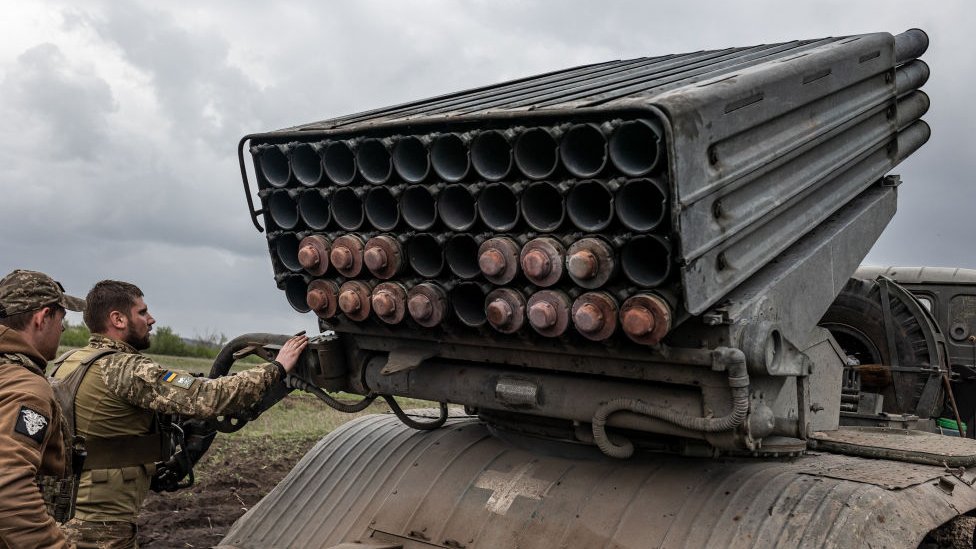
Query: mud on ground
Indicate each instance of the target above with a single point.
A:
(231, 478)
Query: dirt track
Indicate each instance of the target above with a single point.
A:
(231, 479)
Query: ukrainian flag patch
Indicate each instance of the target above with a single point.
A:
(183, 381)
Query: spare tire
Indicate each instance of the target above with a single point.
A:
(857, 322)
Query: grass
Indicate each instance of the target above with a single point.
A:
(303, 415)
(293, 425)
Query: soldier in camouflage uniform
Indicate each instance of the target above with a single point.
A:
(117, 404)
(34, 450)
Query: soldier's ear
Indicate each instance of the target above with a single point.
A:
(118, 320)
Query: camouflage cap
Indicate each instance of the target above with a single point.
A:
(24, 291)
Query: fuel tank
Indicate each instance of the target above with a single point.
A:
(376, 483)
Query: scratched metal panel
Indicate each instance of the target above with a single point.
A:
(764, 143)
(460, 487)
(579, 87)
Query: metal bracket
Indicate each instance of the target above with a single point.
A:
(403, 359)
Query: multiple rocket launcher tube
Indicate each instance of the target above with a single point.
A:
(603, 177)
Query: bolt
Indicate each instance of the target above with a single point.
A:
(349, 301)
(492, 262)
(542, 315)
(536, 264)
(588, 318)
(316, 299)
(375, 258)
(583, 265)
(384, 303)
(637, 321)
(308, 256)
(499, 312)
(341, 257)
(420, 307)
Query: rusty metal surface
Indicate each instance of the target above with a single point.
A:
(894, 475)
(376, 480)
(904, 445)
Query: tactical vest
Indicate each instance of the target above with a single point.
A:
(104, 452)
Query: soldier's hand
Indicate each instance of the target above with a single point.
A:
(291, 350)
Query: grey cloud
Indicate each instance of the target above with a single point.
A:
(70, 102)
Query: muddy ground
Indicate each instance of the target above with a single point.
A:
(232, 477)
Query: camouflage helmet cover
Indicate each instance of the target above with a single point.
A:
(23, 291)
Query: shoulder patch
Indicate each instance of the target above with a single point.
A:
(183, 381)
(32, 423)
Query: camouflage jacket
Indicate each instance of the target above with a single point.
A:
(31, 444)
(138, 380)
(120, 396)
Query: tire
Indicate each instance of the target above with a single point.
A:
(856, 321)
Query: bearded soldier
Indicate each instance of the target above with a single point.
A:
(35, 452)
(118, 405)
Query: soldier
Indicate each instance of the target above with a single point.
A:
(118, 405)
(34, 449)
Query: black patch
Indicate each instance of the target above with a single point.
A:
(32, 423)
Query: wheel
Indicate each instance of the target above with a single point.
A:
(856, 321)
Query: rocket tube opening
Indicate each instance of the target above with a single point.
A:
(339, 162)
(383, 256)
(306, 164)
(498, 259)
(295, 293)
(642, 204)
(313, 254)
(646, 260)
(389, 301)
(286, 248)
(542, 207)
(537, 153)
(274, 166)
(322, 298)
(425, 255)
(313, 206)
(548, 312)
(505, 310)
(418, 207)
(456, 205)
(449, 157)
(491, 155)
(374, 161)
(411, 159)
(427, 304)
(590, 205)
(468, 301)
(498, 207)
(461, 253)
(583, 150)
(347, 208)
(382, 209)
(284, 210)
(635, 147)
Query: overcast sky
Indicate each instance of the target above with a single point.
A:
(121, 118)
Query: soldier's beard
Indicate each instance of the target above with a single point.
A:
(138, 343)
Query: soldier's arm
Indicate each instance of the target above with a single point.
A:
(25, 420)
(142, 382)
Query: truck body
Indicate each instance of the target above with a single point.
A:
(618, 270)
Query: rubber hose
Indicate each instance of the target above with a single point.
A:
(735, 363)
